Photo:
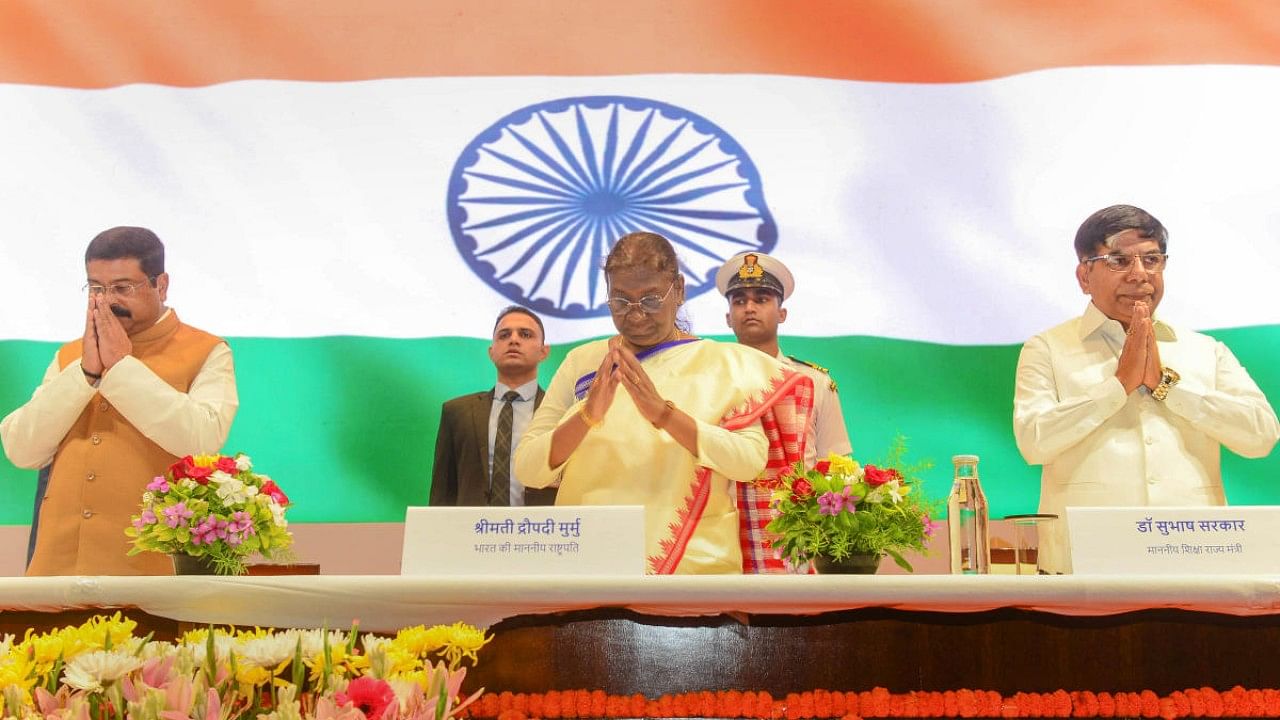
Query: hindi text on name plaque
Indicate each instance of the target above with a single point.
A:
(1240, 539)
(535, 540)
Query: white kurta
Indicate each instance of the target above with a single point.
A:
(1100, 447)
(191, 423)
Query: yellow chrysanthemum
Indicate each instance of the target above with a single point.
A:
(418, 676)
(18, 671)
(253, 675)
(841, 465)
(464, 641)
(93, 634)
(205, 460)
(420, 640)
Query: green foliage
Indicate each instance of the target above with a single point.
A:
(214, 507)
(840, 508)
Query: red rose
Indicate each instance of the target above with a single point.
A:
(823, 466)
(273, 491)
(227, 465)
(876, 477)
(187, 468)
(802, 487)
(369, 695)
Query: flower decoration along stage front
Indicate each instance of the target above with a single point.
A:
(213, 507)
(840, 509)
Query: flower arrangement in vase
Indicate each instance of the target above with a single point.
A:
(216, 510)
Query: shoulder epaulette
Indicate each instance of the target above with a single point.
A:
(817, 367)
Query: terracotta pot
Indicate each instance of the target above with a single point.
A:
(856, 564)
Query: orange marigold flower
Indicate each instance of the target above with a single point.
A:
(764, 705)
(551, 704)
(1060, 702)
(1150, 704)
(730, 704)
(1106, 705)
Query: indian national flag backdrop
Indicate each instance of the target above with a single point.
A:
(350, 192)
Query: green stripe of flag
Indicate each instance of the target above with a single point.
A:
(347, 424)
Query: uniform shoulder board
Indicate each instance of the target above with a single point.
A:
(817, 367)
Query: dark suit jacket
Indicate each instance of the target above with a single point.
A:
(460, 475)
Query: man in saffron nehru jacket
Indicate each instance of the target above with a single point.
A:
(756, 286)
(138, 391)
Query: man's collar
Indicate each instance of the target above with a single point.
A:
(527, 391)
(1094, 320)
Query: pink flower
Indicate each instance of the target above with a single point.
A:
(876, 477)
(175, 515)
(368, 695)
(830, 503)
(833, 503)
(205, 532)
(159, 484)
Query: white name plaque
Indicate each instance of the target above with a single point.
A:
(561, 540)
(1174, 540)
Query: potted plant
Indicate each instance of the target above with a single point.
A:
(210, 513)
(845, 517)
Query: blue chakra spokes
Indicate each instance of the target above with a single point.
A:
(536, 200)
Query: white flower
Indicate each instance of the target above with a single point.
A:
(313, 641)
(244, 463)
(158, 649)
(148, 497)
(895, 491)
(6, 644)
(219, 477)
(373, 642)
(231, 491)
(223, 644)
(91, 670)
(877, 496)
(188, 484)
(268, 652)
(277, 514)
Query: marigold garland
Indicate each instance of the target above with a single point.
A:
(878, 702)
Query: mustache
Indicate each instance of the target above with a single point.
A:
(120, 311)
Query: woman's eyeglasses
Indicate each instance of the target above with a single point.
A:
(649, 303)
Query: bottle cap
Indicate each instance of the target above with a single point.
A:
(964, 458)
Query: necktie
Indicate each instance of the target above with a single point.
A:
(500, 480)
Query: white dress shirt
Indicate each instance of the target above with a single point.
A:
(521, 414)
(1100, 447)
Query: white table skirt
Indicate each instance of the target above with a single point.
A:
(388, 603)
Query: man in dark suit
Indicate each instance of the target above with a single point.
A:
(479, 431)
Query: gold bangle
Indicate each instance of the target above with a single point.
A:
(592, 423)
(661, 422)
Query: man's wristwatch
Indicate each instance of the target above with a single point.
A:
(1168, 378)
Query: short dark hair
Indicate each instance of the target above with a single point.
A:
(129, 242)
(1116, 219)
(525, 311)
